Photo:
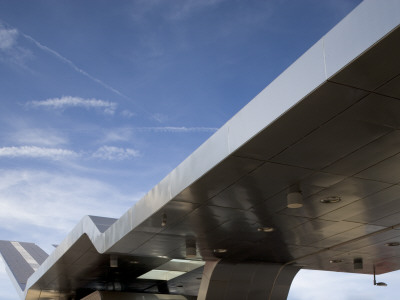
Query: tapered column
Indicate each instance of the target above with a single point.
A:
(244, 281)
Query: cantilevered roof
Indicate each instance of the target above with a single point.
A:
(328, 127)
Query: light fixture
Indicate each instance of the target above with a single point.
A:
(378, 283)
(220, 251)
(265, 229)
(164, 220)
(113, 261)
(358, 263)
(134, 262)
(113, 286)
(336, 261)
(162, 256)
(294, 200)
(191, 251)
(392, 244)
(331, 199)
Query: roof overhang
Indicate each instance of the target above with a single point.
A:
(328, 127)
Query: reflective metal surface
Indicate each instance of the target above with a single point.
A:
(258, 281)
(327, 127)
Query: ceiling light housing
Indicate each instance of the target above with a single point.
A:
(220, 250)
(393, 244)
(191, 251)
(266, 229)
(294, 200)
(331, 199)
(163, 220)
(134, 262)
(113, 261)
(336, 261)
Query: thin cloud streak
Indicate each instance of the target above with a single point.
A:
(115, 153)
(111, 153)
(125, 134)
(36, 152)
(79, 70)
(127, 114)
(73, 66)
(8, 39)
(37, 137)
(174, 129)
(68, 101)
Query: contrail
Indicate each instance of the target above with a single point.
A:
(72, 65)
(81, 71)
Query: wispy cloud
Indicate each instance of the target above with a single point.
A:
(38, 137)
(174, 129)
(69, 101)
(160, 118)
(190, 6)
(10, 52)
(127, 113)
(104, 153)
(36, 200)
(172, 11)
(125, 134)
(36, 152)
(8, 38)
(115, 153)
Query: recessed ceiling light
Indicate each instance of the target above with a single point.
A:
(336, 261)
(393, 244)
(113, 261)
(134, 262)
(191, 251)
(331, 199)
(163, 220)
(294, 200)
(162, 256)
(266, 229)
(220, 250)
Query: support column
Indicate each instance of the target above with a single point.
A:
(244, 281)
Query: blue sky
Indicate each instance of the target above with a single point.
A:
(101, 99)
